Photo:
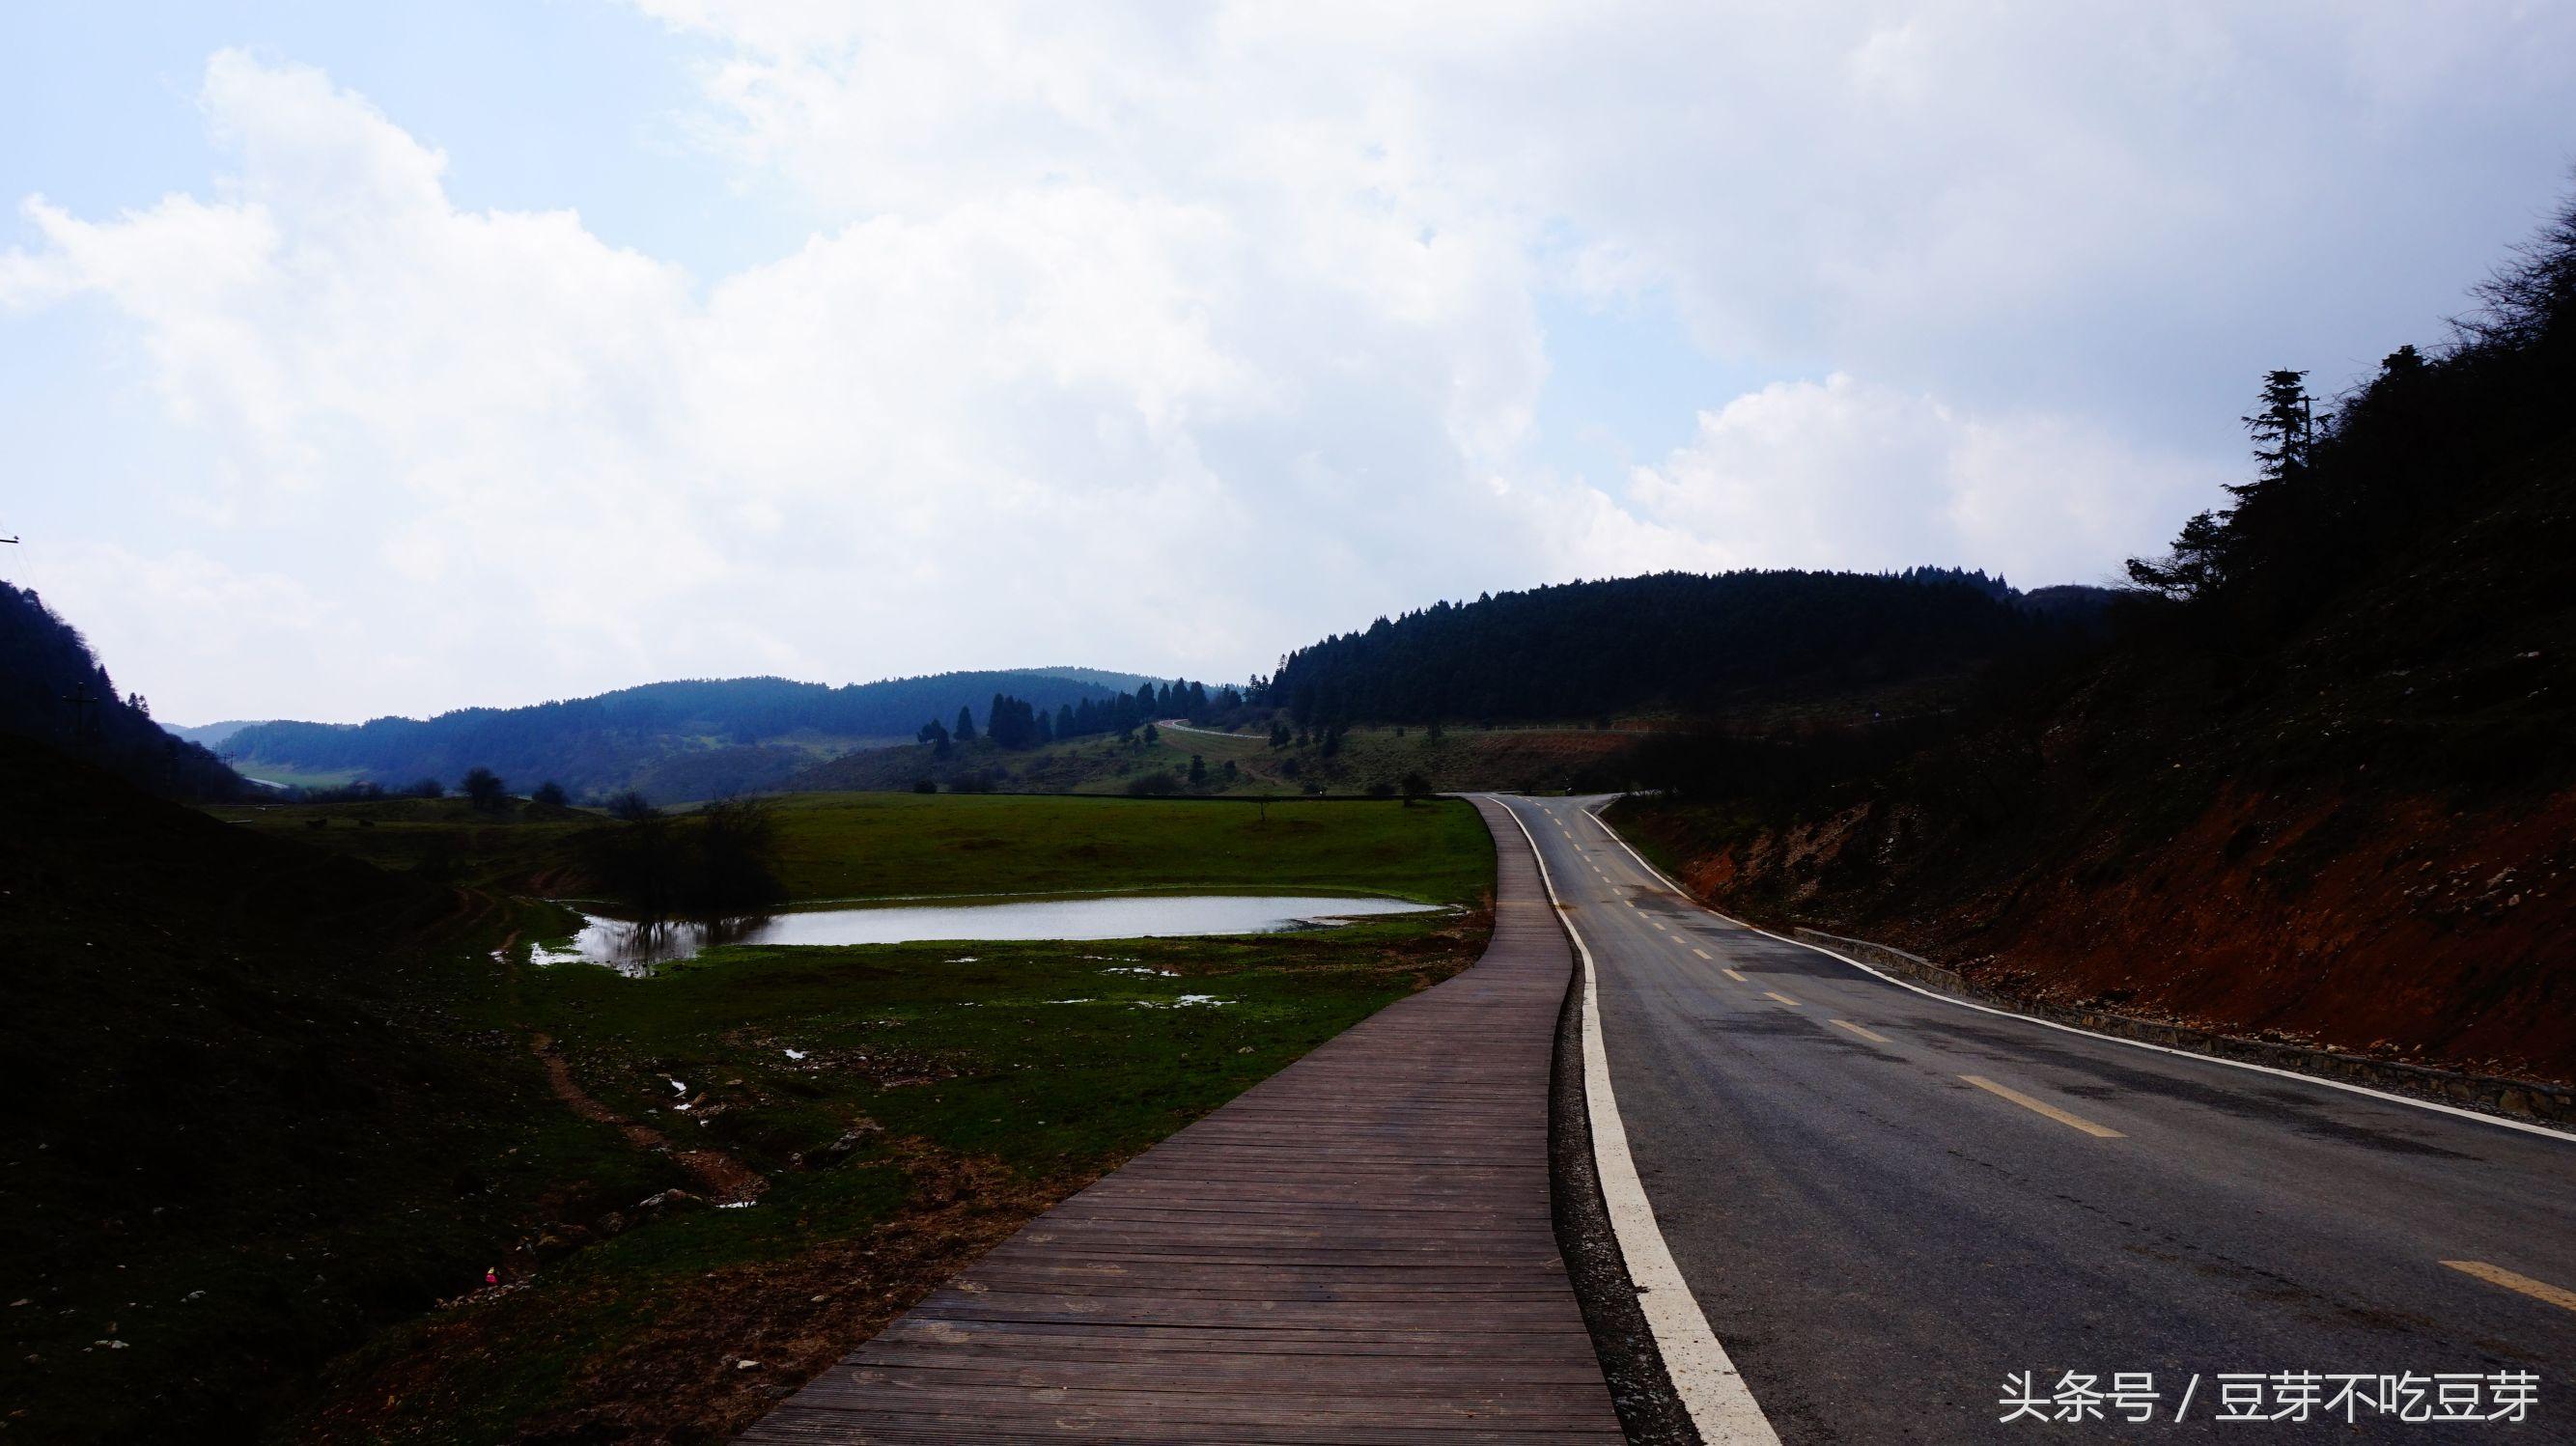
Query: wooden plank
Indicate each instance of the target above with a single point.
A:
(1359, 1246)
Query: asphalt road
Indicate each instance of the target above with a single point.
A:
(1887, 1205)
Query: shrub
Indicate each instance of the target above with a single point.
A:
(631, 807)
(484, 789)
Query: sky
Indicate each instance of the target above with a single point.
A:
(394, 358)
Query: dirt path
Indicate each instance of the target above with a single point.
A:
(726, 1178)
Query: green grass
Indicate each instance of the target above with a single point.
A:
(981, 1082)
(295, 776)
(515, 849)
(900, 845)
(1460, 759)
(1018, 1072)
(862, 845)
(381, 1130)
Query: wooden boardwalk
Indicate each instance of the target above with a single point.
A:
(1357, 1249)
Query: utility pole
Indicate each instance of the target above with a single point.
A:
(84, 713)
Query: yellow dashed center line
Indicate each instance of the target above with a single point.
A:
(2558, 1296)
(2099, 1132)
(1703, 953)
(1738, 978)
(1870, 1035)
(1783, 998)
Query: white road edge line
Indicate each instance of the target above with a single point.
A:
(2332, 1084)
(1719, 1403)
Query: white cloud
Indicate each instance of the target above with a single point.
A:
(184, 604)
(1844, 474)
(1057, 422)
(1172, 338)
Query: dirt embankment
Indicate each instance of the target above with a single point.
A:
(2405, 928)
(2349, 822)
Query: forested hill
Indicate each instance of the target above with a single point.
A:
(689, 739)
(53, 689)
(2324, 789)
(1675, 640)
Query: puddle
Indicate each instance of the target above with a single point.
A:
(632, 947)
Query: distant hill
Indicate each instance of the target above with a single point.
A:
(208, 735)
(698, 738)
(1673, 641)
(53, 690)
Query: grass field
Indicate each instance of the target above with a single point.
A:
(516, 1117)
(974, 1085)
(292, 776)
(899, 845)
(1458, 759)
(840, 846)
(521, 848)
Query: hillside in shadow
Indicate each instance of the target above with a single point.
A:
(54, 691)
(2320, 785)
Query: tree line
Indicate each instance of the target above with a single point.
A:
(1668, 641)
(606, 741)
(2400, 547)
(1016, 723)
(2344, 484)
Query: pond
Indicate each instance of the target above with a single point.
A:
(634, 948)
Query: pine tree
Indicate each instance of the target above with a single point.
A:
(965, 725)
(2283, 428)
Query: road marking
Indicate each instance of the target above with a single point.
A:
(1703, 953)
(1711, 1391)
(1738, 978)
(1871, 1035)
(1658, 923)
(2558, 1296)
(2288, 1074)
(2099, 1132)
(1783, 998)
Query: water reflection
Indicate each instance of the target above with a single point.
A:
(634, 947)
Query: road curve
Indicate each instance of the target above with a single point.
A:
(1888, 1205)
